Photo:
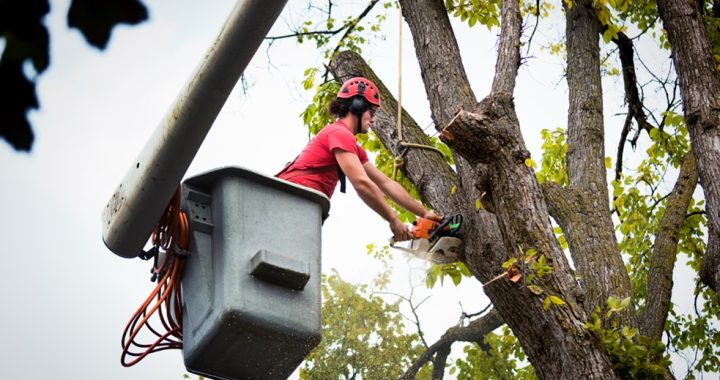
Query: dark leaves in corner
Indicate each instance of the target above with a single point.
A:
(96, 19)
(26, 38)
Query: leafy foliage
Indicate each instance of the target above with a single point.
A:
(363, 336)
(455, 271)
(554, 164)
(485, 12)
(640, 204)
(27, 40)
(95, 20)
(315, 116)
(500, 357)
(634, 356)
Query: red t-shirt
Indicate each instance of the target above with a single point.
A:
(318, 153)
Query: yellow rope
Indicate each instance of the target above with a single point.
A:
(399, 160)
(400, 38)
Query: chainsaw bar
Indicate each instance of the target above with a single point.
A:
(444, 251)
(438, 242)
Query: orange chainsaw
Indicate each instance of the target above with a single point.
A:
(438, 242)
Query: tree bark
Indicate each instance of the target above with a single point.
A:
(508, 61)
(662, 262)
(556, 342)
(488, 137)
(700, 87)
(427, 170)
(554, 338)
(441, 66)
(587, 224)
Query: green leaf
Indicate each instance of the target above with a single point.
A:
(628, 332)
(507, 264)
(556, 300)
(478, 204)
(535, 289)
(456, 277)
(625, 303)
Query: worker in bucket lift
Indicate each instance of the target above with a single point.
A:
(334, 154)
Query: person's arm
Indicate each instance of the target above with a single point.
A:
(397, 193)
(369, 192)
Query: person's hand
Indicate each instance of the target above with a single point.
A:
(400, 230)
(432, 216)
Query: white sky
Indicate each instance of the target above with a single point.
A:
(67, 298)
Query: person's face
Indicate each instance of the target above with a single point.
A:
(368, 118)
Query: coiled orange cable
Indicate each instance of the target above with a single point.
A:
(171, 235)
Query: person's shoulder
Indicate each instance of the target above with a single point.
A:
(338, 129)
(337, 126)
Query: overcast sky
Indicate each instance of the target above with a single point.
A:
(67, 297)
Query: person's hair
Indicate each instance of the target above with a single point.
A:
(339, 107)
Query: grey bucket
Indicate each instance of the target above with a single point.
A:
(251, 283)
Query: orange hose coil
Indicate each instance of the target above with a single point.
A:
(172, 234)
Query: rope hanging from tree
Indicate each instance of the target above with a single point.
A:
(399, 161)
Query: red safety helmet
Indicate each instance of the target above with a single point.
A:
(360, 86)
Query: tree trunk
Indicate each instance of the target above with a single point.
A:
(586, 223)
(557, 343)
(696, 69)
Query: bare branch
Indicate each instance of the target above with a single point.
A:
(413, 308)
(537, 22)
(353, 25)
(473, 332)
(348, 26)
(632, 97)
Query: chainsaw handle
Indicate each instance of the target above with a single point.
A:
(444, 223)
(392, 241)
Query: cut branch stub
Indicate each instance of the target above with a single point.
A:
(481, 136)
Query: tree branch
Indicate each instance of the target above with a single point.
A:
(427, 170)
(508, 61)
(446, 84)
(692, 55)
(473, 332)
(413, 308)
(632, 97)
(662, 262)
(588, 227)
(353, 25)
(439, 361)
(348, 26)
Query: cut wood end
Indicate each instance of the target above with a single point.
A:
(446, 135)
